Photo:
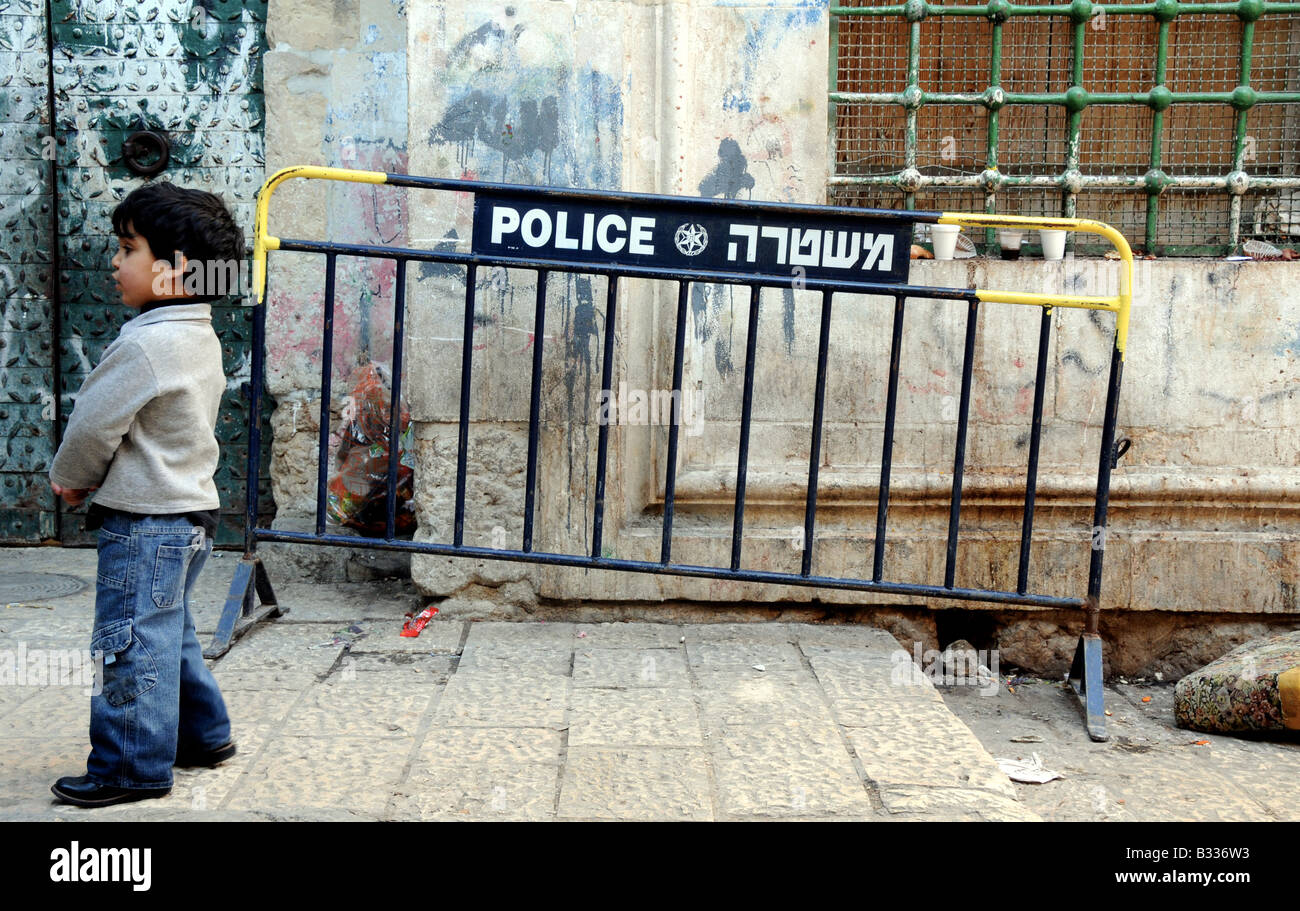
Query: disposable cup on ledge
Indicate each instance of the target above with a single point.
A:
(1053, 241)
(944, 238)
(1010, 239)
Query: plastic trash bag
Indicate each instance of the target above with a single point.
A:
(357, 494)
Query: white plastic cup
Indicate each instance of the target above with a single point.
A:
(1053, 240)
(1010, 240)
(945, 240)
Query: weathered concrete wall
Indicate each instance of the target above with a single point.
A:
(336, 96)
(694, 99)
(717, 99)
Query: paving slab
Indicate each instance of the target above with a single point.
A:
(437, 637)
(34, 717)
(747, 696)
(629, 667)
(629, 635)
(501, 792)
(631, 783)
(323, 773)
(953, 804)
(788, 769)
(491, 700)
(337, 716)
(754, 655)
(660, 718)
(370, 705)
(516, 656)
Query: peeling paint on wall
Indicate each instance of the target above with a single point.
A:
(730, 176)
(528, 123)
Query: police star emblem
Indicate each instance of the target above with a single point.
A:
(691, 239)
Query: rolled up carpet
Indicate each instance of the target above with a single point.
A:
(1255, 687)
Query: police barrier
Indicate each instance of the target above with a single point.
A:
(686, 241)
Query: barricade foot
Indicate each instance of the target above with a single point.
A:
(1085, 678)
(240, 615)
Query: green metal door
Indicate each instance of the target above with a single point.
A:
(100, 72)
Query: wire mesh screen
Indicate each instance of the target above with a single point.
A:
(1180, 128)
(1199, 139)
(870, 139)
(1115, 139)
(1119, 53)
(1031, 139)
(953, 56)
(1035, 54)
(1204, 54)
(951, 139)
(1125, 209)
(1272, 145)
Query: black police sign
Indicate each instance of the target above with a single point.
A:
(689, 238)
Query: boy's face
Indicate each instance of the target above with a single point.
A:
(138, 279)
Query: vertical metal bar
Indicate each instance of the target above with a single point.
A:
(256, 368)
(995, 80)
(606, 398)
(534, 408)
(1075, 119)
(670, 482)
(909, 112)
(887, 452)
(1104, 465)
(395, 398)
(814, 456)
(832, 109)
(959, 460)
(326, 374)
(462, 441)
(1239, 147)
(746, 411)
(991, 160)
(1035, 440)
(913, 82)
(1157, 126)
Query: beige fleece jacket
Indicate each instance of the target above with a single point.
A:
(143, 425)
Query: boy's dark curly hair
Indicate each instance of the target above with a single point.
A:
(171, 218)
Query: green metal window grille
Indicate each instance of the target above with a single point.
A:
(1179, 123)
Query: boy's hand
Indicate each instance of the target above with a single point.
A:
(70, 496)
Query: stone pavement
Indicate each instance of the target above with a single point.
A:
(1150, 770)
(338, 717)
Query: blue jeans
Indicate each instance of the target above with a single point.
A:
(155, 692)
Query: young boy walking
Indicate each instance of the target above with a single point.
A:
(141, 438)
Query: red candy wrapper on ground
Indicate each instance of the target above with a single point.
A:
(416, 622)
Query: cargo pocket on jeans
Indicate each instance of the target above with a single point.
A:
(171, 567)
(127, 667)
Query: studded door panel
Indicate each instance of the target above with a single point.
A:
(193, 73)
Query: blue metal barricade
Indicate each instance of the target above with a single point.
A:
(547, 231)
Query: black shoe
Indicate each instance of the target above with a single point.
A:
(205, 759)
(86, 792)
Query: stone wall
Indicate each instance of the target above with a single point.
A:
(726, 100)
(336, 96)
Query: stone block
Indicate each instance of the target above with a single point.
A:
(322, 24)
